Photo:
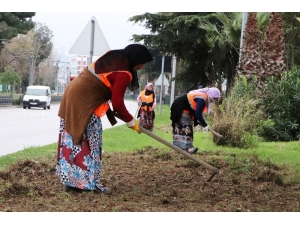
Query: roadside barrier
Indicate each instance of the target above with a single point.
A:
(6, 100)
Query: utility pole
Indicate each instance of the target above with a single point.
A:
(68, 75)
(173, 81)
(92, 40)
(31, 68)
(162, 82)
(57, 69)
(59, 85)
(173, 76)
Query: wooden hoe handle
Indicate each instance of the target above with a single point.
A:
(188, 155)
(215, 133)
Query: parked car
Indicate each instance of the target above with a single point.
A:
(37, 96)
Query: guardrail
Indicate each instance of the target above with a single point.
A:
(11, 100)
(6, 100)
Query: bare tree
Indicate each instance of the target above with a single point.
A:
(17, 53)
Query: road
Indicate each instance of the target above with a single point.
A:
(23, 128)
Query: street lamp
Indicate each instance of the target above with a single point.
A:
(68, 75)
(31, 68)
(57, 81)
(56, 70)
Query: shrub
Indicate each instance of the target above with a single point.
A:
(238, 115)
(281, 100)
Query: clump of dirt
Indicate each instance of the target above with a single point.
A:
(154, 180)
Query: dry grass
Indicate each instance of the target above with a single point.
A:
(237, 120)
(154, 180)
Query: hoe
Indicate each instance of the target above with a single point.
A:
(188, 155)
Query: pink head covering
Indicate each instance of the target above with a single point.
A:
(214, 92)
(211, 92)
(148, 85)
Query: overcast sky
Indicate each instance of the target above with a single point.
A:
(68, 19)
(67, 27)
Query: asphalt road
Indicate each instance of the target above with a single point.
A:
(23, 128)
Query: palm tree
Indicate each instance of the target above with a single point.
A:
(250, 59)
(273, 48)
(263, 57)
(224, 33)
(223, 36)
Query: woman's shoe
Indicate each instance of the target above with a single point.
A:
(103, 190)
(192, 150)
(69, 188)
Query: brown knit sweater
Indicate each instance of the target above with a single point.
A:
(82, 96)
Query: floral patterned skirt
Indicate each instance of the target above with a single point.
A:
(80, 165)
(146, 119)
(183, 134)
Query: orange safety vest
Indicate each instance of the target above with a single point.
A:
(146, 99)
(192, 95)
(102, 109)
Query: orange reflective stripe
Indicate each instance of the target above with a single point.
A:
(102, 76)
(186, 111)
(191, 96)
(147, 99)
(102, 109)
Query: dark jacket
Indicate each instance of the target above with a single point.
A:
(181, 103)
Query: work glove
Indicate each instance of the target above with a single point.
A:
(205, 129)
(134, 125)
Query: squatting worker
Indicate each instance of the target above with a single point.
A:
(147, 102)
(187, 111)
(85, 101)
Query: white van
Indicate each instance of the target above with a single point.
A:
(37, 96)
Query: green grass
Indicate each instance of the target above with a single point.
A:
(282, 153)
(29, 153)
(129, 140)
(121, 138)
